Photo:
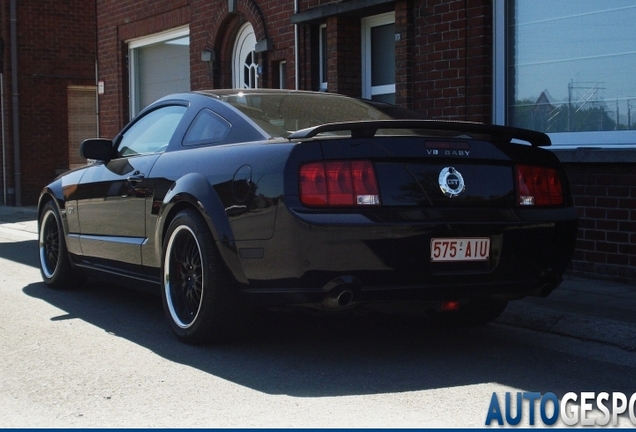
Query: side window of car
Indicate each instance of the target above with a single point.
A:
(151, 133)
(207, 128)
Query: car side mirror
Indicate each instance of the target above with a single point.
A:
(100, 149)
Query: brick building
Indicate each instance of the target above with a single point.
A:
(562, 67)
(48, 91)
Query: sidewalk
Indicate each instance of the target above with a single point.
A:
(598, 310)
(19, 218)
(590, 309)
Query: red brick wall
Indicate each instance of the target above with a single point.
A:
(443, 57)
(56, 48)
(214, 28)
(118, 21)
(211, 28)
(404, 49)
(452, 59)
(344, 61)
(605, 198)
(277, 17)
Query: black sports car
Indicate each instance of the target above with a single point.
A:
(224, 200)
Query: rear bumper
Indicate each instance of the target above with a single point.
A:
(311, 255)
(419, 296)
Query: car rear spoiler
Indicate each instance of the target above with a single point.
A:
(368, 129)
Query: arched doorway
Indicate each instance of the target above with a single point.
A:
(244, 64)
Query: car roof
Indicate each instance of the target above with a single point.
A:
(221, 93)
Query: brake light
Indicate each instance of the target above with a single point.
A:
(339, 183)
(538, 186)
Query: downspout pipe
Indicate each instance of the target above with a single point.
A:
(15, 105)
(4, 142)
(296, 71)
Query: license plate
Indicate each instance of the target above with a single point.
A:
(460, 249)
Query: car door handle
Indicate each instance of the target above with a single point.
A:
(135, 178)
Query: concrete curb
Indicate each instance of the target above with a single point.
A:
(598, 329)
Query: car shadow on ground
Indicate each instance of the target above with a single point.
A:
(23, 252)
(309, 356)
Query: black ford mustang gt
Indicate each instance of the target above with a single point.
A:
(228, 199)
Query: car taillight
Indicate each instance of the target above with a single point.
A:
(339, 183)
(538, 186)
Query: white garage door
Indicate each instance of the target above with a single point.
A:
(159, 65)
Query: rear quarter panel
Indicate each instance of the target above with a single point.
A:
(243, 186)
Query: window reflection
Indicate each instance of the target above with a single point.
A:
(570, 65)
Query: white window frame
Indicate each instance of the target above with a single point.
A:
(560, 140)
(238, 61)
(368, 23)
(282, 74)
(322, 51)
(133, 44)
(499, 63)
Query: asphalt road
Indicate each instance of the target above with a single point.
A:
(103, 356)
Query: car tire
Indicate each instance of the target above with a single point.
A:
(55, 264)
(477, 312)
(197, 295)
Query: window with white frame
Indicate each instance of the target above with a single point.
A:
(244, 63)
(322, 42)
(566, 68)
(159, 64)
(378, 57)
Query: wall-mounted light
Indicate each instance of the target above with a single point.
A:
(208, 56)
(264, 45)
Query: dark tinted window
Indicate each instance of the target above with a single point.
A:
(207, 128)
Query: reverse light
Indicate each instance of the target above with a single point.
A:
(339, 183)
(538, 186)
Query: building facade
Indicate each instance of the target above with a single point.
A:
(562, 67)
(48, 91)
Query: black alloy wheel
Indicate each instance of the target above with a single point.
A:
(184, 276)
(55, 265)
(196, 291)
(49, 244)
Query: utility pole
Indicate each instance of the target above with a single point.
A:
(570, 106)
(617, 116)
(591, 90)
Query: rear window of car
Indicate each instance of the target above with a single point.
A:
(281, 114)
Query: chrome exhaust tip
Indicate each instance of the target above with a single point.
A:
(337, 299)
